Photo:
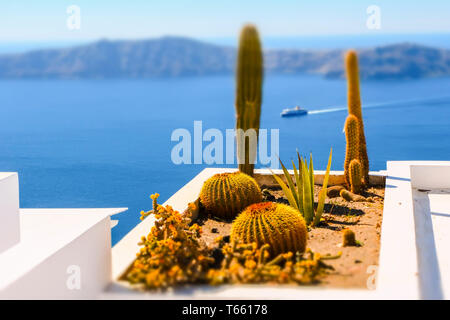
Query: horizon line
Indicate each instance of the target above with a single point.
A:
(286, 42)
(424, 33)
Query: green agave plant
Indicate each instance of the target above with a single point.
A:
(301, 194)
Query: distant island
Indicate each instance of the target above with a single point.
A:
(177, 56)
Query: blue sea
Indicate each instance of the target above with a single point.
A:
(107, 143)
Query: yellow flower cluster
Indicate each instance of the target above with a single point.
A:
(154, 197)
(246, 263)
(171, 254)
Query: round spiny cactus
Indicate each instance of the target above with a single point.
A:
(224, 195)
(279, 225)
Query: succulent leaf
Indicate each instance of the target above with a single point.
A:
(323, 192)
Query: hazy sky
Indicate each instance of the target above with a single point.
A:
(45, 20)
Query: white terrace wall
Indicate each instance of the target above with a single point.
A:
(9, 210)
(78, 270)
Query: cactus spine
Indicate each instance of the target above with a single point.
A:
(224, 195)
(352, 151)
(354, 108)
(249, 78)
(279, 225)
(355, 176)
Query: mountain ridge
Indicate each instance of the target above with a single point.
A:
(173, 56)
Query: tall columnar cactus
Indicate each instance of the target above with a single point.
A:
(249, 79)
(355, 176)
(224, 195)
(352, 129)
(279, 225)
(354, 108)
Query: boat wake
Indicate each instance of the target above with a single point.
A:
(327, 110)
(386, 104)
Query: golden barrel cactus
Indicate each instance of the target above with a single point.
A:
(249, 80)
(279, 225)
(354, 108)
(224, 195)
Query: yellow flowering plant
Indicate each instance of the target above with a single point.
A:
(171, 254)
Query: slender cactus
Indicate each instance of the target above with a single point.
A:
(352, 152)
(249, 79)
(354, 108)
(355, 176)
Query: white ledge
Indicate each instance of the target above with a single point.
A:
(51, 241)
(412, 258)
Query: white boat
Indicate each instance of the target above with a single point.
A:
(294, 112)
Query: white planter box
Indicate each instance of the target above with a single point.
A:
(124, 253)
(414, 258)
